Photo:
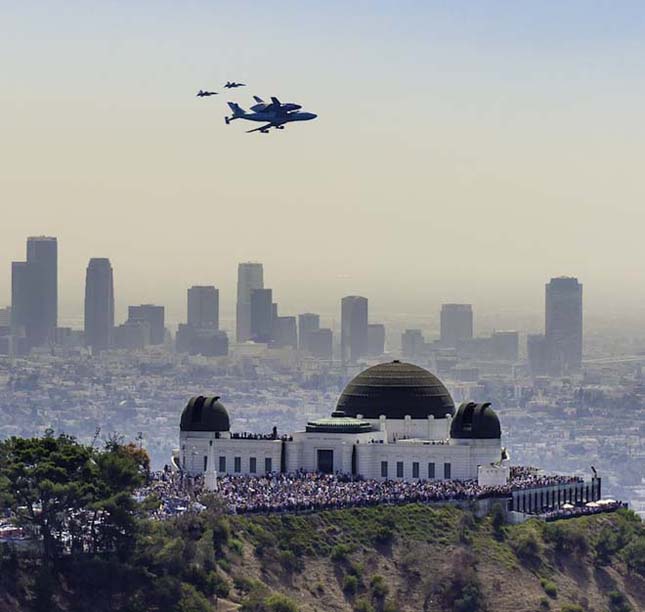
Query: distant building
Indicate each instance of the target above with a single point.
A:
(262, 314)
(203, 307)
(563, 324)
(133, 335)
(99, 304)
(375, 339)
(412, 343)
(35, 291)
(320, 344)
(20, 299)
(505, 345)
(204, 341)
(353, 339)
(5, 317)
(154, 316)
(456, 323)
(285, 332)
(250, 276)
(538, 355)
(307, 322)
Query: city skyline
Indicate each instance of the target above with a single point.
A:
(250, 276)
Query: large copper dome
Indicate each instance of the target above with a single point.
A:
(395, 390)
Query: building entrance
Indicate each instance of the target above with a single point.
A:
(326, 461)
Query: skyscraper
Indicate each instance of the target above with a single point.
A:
(563, 324)
(154, 316)
(353, 336)
(320, 343)
(375, 339)
(99, 304)
(262, 315)
(19, 298)
(35, 291)
(285, 332)
(307, 322)
(456, 323)
(250, 276)
(203, 307)
(412, 343)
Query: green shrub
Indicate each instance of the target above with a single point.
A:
(497, 521)
(236, 546)
(527, 547)
(277, 602)
(289, 561)
(571, 608)
(350, 584)
(218, 585)
(378, 586)
(568, 538)
(225, 564)
(549, 588)
(618, 602)
(192, 600)
(390, 606)
(545, 604)
(634, 554)
(363, 605)
(356, 569)
(340, 552)
(384, 535)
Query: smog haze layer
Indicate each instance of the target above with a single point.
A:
(461, 152)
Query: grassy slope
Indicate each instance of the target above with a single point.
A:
(427, 557)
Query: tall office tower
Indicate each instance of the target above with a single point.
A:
(353, 335)
(250, 276)
(154, 316)
(99, 304)
(285, 332)
(456, 323)
(320, 343)
(20, 302)
(307, 322)
(538, 354)
(375, 339)
(35, 291)
(412, 343)
(563, 325)
(203, 307)
(261, 315)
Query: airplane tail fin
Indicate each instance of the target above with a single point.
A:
(258, 99)
(238, 111)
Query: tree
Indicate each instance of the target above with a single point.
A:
(634, 554)
(69, 494)
(47, 481)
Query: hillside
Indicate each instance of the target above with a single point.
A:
(404, 558)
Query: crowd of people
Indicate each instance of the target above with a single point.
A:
(525, 477)
(582, 510)
(302, 491)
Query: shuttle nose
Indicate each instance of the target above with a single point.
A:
(312, 115)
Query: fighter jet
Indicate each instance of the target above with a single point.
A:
(205, 94)
(233, 85)
(272, 119)
(275, 105)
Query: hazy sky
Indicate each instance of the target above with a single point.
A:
(464, 151)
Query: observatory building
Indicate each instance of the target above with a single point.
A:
(393, 421)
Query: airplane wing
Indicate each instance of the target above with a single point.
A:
(262, 128)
